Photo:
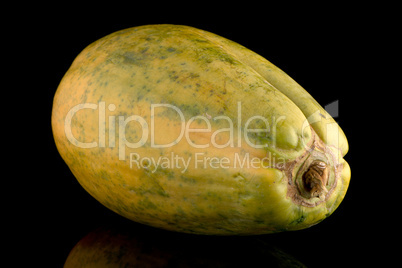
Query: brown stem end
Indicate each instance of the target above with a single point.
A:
(315, 180)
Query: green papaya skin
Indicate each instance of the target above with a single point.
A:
(321, 121)
(181, 129)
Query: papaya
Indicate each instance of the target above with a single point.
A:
(181, 129)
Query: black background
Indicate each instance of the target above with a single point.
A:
(321, 48)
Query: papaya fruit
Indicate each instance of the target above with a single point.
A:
(181, 129)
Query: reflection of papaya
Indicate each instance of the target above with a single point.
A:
(106, 247)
